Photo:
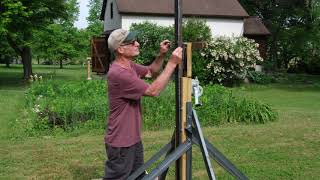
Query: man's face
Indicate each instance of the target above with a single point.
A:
(130, 49)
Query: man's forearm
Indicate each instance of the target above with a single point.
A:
(157, 86)
(156, 65)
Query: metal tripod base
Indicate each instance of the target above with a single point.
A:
(194, 136)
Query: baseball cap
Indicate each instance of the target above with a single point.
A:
(119, 36)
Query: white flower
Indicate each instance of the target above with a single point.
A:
(225, 56)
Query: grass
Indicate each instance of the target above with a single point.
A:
(285, 149)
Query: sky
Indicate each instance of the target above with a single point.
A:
(84, 12)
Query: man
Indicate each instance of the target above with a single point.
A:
(125, 89)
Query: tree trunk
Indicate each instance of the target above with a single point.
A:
(25, 53)
(7, 60)
(274, 49)
(26, 60)
(7, 64)
(61, 64)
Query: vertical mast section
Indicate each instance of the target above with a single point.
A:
(178, 72)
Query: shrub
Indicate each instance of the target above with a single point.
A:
(299, 65)
(260, 77)
(159, 112)
(228, 59)
(196, 30)
(150, 36)
(220, 106)
(66, 104)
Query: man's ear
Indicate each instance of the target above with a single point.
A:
(120, 50)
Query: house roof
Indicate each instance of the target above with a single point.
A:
(254, 26)
(200, 8)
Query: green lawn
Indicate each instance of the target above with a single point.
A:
(285, 149)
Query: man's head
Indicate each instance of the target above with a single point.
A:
(124, 42)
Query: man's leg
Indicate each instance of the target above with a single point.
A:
(139, 158)
(120, 162)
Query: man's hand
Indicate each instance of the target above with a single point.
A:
(176, 56)
(164, 46)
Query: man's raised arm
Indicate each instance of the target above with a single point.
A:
(162, 80)
(157, 63)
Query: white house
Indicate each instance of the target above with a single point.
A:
(224, 17)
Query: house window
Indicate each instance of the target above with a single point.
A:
(111, 10)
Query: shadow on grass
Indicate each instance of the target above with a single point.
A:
(299, 87)
(292, 83)
(12, 78)
(56, 67)
(300, 82)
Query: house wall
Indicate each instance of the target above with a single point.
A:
(219, 27)
(115, 22)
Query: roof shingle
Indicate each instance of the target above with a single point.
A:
(201, 8)
(254, 26)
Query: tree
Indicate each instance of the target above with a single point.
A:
(313, 36)
(22, 17)
(7, 54)
(95, 25)
(294, 25)
(57, 41)
(10, 9)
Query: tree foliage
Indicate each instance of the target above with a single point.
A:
(95, 27)
(196, 30)
(56, 43)
(150, 36)
(7, 55)
(59, 42)
(22, 17)
(295, 29)
(9, 10)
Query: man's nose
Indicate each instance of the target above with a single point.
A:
(136, 43)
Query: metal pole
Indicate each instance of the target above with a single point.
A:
(178, 42)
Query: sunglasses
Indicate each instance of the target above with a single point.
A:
(129, 42)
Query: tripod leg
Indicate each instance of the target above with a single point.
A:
(189, 137)
(203, 146)
(173, 142)
(176, 154)
(217, 155)
(221, 159)
(140, 170)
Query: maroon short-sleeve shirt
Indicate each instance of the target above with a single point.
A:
(125, 89)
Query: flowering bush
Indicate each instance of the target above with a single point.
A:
(228, 59)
